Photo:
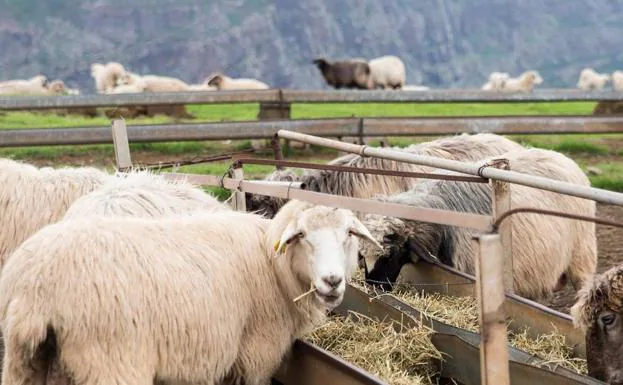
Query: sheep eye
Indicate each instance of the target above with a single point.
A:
(608, 319)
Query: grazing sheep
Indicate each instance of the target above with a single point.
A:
(32, 198)
(544, 247)
(461, 147)
(617, 80)
(344, 74)
(524, 83)
(225, 83)
(387, 72)
(198, 299)
(106, 76)
(592, 80)
(144, 194)
(599, 313)
(33, 86)
(496, 81)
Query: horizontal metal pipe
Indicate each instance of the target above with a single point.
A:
(300, 96)
(598, 195)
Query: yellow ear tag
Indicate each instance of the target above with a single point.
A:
(280, 251)
(276, 245)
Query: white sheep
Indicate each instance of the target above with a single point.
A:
(387, 72)
(187, 299)
(496, 81)
(225, 83)
(524, 83)
(144, 194)
(592, 80)
(106, 76)
(33, 86)
(32, 198)
(617, 80)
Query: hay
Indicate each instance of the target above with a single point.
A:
(550, 350)
(398, 355)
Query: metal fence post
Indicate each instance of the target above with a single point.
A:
(238, 201)
(494, 367)
(121, 145)
(501, 204)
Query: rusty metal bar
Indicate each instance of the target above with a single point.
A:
(598, 195)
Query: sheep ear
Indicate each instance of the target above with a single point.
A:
(289, 234)
(359, 230)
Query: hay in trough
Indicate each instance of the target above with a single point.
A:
(396, 354)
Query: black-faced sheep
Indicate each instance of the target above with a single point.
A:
(544, 247)
(225, 83)
(345, 74)
(185, 299)
(592, 80)
(599, 313)
(387, 72)
(461, 147)
(524, 83)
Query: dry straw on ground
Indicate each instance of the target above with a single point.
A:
(396, 354)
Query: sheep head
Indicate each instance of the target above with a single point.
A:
(599, 312)
(39, 80)
(318, 245)
(532, 77)
(215, 80)
(57, 87)
(322, 63)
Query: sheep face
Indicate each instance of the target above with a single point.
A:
(599, 311)
(215, 81)
(57, 87)
(534, 78)
(323, 244)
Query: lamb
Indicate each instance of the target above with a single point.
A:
(524, 83)
(545, 248)
(461, 147)
(592, 80)
(106, 76)
(33, 86)
(597, 313)
(172, 300)
(344, 74)
(225, 83)
(496, 81)
(387, 72)
(32, 198)
(144, 194)
(617, 80)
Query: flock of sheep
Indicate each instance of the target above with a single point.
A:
(130, 278)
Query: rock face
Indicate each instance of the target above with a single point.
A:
(444, 43)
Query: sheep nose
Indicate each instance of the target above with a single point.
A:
(332, 280)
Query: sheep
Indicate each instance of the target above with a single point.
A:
(592, 80)
(461, 147)
(597, 313)
(183, 299)
(225, 83)
(387, 72)
(32, 198)
(155, 83)
(33, 86)
(545, 248)
(496, 81)
(617, 80)
(524, 83)
(345, 73)
(143, 194)
(106, 75)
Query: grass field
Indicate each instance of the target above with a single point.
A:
(600, 151)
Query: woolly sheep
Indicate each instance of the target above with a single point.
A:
(598, 313)
(33, 86)
(106, 76)
(496, 81)
(461, 147)
(617, 80)
(524, 83)
(345, 73)
(185, 299)
(545, 248)
(592, 80)
(32, 198)
(225, 83)
(144, 194)
(387, 72)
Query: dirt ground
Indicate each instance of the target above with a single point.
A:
(610, 250)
